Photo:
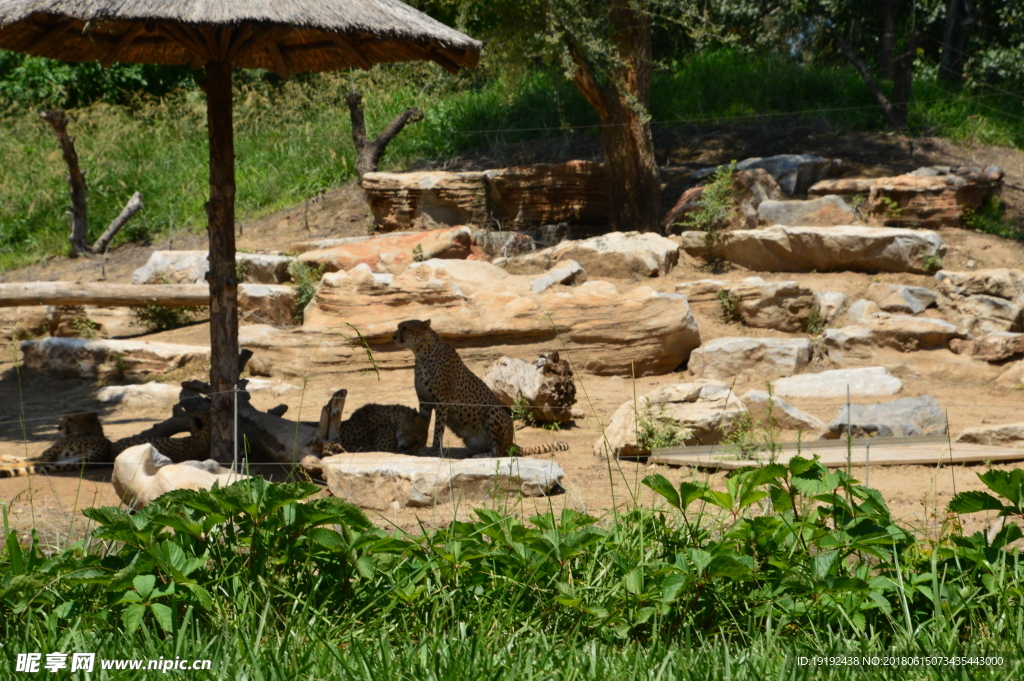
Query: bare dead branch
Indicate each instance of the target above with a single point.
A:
(133, 206)
(370, 151)
(76, 178)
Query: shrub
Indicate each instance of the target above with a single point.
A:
(156, 318)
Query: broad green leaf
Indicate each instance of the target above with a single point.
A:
(660, 484)
(163, 616)
(972, 502)
(634, 581)
(132, 617)
(144, 585)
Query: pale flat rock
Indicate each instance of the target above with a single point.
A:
(135, 360)
(190, 267)
(142, 474)
(622, 255)
(565, 273)
(785, 415)
(467, 276)
(831, 305)
(847, 187)
(704, 409)
(906, 417)
(266, 304)
(702, 290)
(780, 305)
(861, 310)
(905, 333)
(864, 382)
(379, 480)
(608, 330)
(1012, 377)
(1007, 434)
(393, 252)
(744, 358)
(263, 385)
(822, 212)
(901, 299)
(999, 282)
(823, 249)
(143, 395)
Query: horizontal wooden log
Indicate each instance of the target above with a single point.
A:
(104, 295)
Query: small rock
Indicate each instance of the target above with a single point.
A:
(901, 299)
(393, 252)
(745, 358)
(621, 255)
(785, 415)
(998, 347)
(1011, 434)
(144, 395)
(826, 211)
(864, 382)
(831, 304)
(377, 480)
(566, 273)
(900, 332)
(266, 304)
(907, 417)
(780, 305)
(701, 291)
(706, 409)
(861, 310)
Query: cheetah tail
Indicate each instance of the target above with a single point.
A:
(544, 449)
(18, 471)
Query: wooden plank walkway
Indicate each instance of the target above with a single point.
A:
(890, 451)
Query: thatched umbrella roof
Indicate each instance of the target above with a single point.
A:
(286, 36)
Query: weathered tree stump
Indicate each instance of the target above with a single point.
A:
(546, 385)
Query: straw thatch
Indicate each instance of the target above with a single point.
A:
(285, 36)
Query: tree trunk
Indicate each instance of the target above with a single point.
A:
(954, 43)
(621, 102)
(76, 178)
(896, 114)
(888, 37)
(220, 212)
(368, 152)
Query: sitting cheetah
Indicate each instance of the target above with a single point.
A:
(194, 447)
(381, 428)
(459, 397)
(82, 442)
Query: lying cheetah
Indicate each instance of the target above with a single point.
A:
(381, 428)
(82, 442)
(459, 397)
(194, 447)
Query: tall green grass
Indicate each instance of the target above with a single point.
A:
(293, 138)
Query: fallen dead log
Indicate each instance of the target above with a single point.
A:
(103, 295)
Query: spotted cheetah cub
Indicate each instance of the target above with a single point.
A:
(381, 428)
(82, 442)
(460, 399)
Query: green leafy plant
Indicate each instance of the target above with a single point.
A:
(730, 306)
(156, 318)
(889, 207)
(991, 219)
(305, 279)
(417, 253)
(814, 325)
(931, 263)
(85, 327)
(523, 412)
(658, 430)
(717, 207)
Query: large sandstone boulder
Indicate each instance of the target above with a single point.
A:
(267, 304)
(823, 249)
(795, 173)
(480, 307)
(931, 197)
(1007, 434)
(907, 417)
(190, 267)
(382, 481)
(901, 299)
(742, 358)
(765, 408)
(864, 382)
(998, 347)
(983, 302)
(142, 474)
(134, 360)
(780, 305)
(702, 411)
(394, 252)
(822, 212)
(616, 255)
(900, 332)
(572, 192)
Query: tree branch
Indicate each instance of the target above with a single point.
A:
(133, 206)
(869, 82)
(369, 151)
(76, 178)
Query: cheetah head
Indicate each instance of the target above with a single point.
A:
(411, 333)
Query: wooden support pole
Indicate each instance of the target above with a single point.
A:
(220, 212)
